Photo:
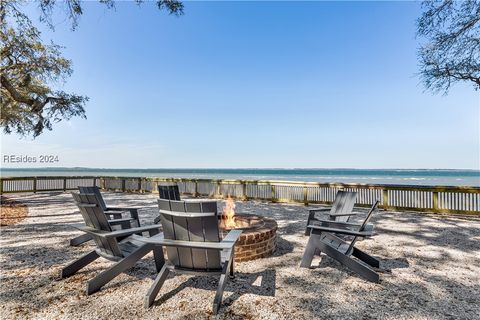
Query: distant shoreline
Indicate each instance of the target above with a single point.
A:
(441, 177)
(229, 169)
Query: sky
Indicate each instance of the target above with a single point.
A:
(254, 85)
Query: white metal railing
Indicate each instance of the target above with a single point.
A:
(439, 199)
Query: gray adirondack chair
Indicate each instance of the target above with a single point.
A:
(193, 246)
(169, 191)
(323, 238)
(186, 206)
(114, 213)
(125, 252)
(341, 209)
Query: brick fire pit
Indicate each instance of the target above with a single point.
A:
(259, 237)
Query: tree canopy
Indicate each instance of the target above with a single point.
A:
(451, 52)
(31, 69)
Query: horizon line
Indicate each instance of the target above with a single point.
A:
(236, 168)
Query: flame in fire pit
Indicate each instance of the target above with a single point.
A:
(229, 214)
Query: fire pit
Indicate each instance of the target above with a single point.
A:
(258, 239)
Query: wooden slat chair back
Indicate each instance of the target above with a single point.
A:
(115, 213)
(340, 211)
(344, 203)
(190, 226)
(169, 191)
(95, 218)
(186, 206)
(95, 190)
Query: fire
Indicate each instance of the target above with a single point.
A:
(229, 213)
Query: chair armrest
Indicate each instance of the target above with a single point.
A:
(119, 221)
(118, 233)
(87, 205)
(160, 240)
(121, 209)
(320, 229)
(319, 209)
(369, 227)
(132, 211)
(114, 212)
(343, 214)
(337, 224)
(232, 237)
(341, 224)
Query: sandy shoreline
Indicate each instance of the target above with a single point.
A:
(430, 263)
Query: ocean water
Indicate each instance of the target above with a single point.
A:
(431, 177)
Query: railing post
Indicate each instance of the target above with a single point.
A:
(64, 184)
(1, 186)
(218, 192)
(244, 190)
(140, 185)
(305, 195)
(196, 189)
(35, 185)
(123, 184)
(385, 199)
(94, 182)
(435, 201)
(153, 185)
(274, 196)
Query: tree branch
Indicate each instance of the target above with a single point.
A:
(35, 104)
(17, 96)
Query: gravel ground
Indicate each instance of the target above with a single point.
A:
(11, 212)
(430, 269)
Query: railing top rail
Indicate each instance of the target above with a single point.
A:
(49, 177)
(268, 182)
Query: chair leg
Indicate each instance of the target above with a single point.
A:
(156, 286)
(310, 250)
(80, 239)
(78, 264)
(311, 215)
(158, 257)
(232, 268)
(217, 301)
(126, 263)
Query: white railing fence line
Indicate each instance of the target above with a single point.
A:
(438, 199)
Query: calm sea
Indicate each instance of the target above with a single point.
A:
(370, 176)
